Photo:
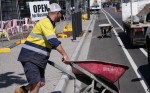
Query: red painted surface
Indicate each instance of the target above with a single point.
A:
(108, 71)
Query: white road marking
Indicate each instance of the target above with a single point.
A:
(142, 80)
(144, 52)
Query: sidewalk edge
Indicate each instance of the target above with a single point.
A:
(61, 86)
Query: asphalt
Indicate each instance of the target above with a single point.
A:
(12, 74)
(74, 85)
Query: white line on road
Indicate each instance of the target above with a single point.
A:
(128, 55)
(143, 51)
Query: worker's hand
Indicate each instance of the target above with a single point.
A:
(66, 59)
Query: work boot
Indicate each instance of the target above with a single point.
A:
(21, 90)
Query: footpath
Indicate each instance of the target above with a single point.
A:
(11, 71)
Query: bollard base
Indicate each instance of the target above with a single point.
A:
(74, 40)
(62, 35)
(20, 42)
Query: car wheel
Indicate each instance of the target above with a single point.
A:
(148, 50)
(124, 29)
(131, 39)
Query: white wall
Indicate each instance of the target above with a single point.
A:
(136, 7)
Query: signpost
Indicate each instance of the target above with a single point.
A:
(38, 9)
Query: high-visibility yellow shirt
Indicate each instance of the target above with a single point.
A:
(39, 43)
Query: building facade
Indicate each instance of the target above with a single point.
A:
(14, 9)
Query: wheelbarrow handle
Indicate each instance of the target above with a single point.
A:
(61, 69)
(66, 62)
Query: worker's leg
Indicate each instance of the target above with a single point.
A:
(35, 77)
(102, 32)
(105, 32)
(36, 86)
(109, 30)
(33, 88)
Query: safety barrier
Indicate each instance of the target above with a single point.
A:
(13, 32)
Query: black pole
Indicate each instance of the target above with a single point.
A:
(77, 24)
(88, 10)
(73, 26)
(74, 19)
(80, 22)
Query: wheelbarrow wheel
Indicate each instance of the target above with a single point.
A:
(106, 91)
(103, 90)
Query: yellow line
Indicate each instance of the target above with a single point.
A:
(4, 50)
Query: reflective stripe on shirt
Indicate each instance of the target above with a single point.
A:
(36, 50)
(42, 37)
(51, 36)
(38, 36)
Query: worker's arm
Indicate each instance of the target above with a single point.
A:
(49, 32)
(60, 49)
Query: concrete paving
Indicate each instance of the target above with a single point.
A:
(74, 86)
(12, 74)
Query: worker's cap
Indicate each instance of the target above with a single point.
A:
(54, 7)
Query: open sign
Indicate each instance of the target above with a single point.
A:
(38, 9)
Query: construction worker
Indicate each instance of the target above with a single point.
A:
(36, 50)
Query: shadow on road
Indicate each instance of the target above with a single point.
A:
(126, 41)
(7, 79)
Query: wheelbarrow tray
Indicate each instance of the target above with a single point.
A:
(108, 71)
(105, 25)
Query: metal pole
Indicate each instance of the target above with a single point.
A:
(68, 10)
(1, 20)
(88, 10)
(131, 12)
(74, 19)
(20, 21)
(77, 24)
(76, 6)
(73, 26)
(80, 22)
(121, 2)
(1, 9)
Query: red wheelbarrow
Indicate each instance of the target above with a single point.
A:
(102, 73)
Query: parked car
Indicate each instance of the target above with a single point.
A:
(105, 4)
(147, 36)
(148, 43)
(114, 4)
